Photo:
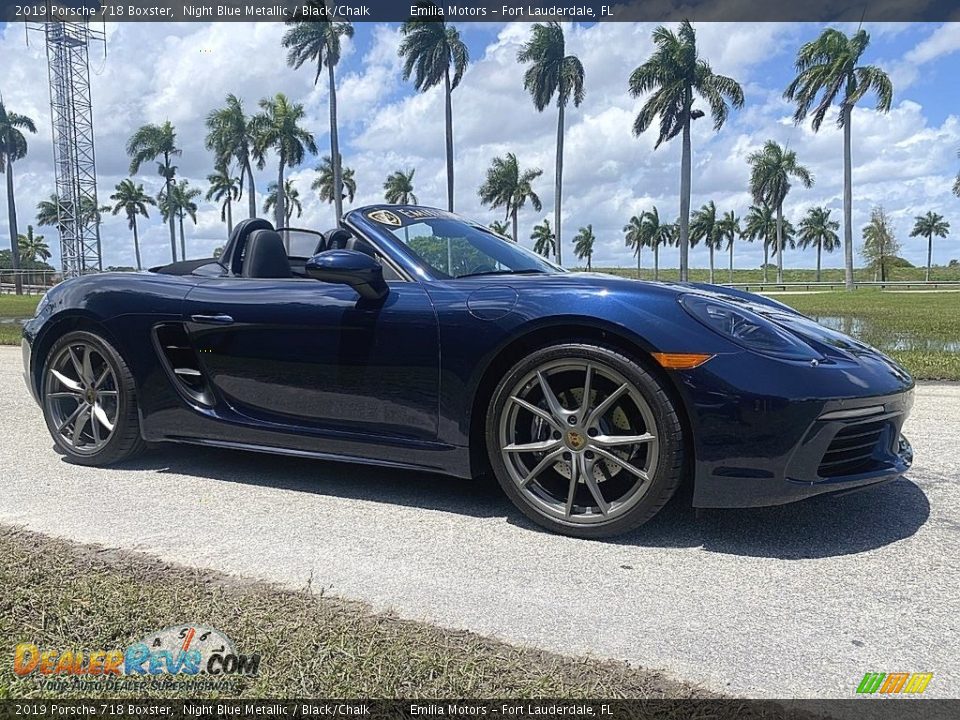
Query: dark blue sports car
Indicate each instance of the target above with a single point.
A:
(412, 338)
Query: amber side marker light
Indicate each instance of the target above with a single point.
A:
(681, 361)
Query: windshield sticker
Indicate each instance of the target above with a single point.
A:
(385, 217)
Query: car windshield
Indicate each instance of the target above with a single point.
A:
(454, 248)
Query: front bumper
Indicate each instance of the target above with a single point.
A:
(25, 351)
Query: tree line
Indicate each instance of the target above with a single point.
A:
(678, 85)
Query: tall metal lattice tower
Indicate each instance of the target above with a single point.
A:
(74, 159)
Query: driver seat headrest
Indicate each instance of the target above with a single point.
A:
(338, 239)
(266, 256)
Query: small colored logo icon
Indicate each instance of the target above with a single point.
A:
(894, 683)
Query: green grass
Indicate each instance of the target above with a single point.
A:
(18, 306)
(10, 334)
(755, 276)
(61, 595)
(909, 327)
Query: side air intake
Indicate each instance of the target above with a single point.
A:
(181, 362)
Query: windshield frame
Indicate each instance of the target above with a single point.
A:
(396, 249)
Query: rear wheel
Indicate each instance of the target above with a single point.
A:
(89, 401)
(584, 441)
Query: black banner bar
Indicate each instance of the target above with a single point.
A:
(485, 10)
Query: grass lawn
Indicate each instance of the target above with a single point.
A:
(60, 595)
(18, 306)
(920, 330)
(755, 276)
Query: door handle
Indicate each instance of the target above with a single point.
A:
(216, 319)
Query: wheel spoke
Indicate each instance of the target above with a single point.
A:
(78, 427)
(65, 381)
(87, 366)
(94, 426)
(575, 470)
(613, 440)
(106, 393)
(539, 412)
(77, 365)
(606, 454)
(101, 416)
(73, 416)
(555, 407)
(538, 446)
(607, 404)
(587, 382)
(71, 394)
(591, 483)
(541, 466)
(103, 376)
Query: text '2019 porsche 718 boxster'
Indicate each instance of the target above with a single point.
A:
(409, 337)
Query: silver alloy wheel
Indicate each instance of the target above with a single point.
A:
(82, 397)
(579, 440)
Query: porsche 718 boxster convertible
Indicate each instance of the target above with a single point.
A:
(409, 337)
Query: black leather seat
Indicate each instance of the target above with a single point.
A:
(265, 256)
(232, 258)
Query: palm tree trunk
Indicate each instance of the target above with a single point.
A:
(448, 111)
(136, 243)
(929, 254)
(819, 250)
(173, 233)
(514, 214)
(766, 257)
(335, 145)
(278, 210)
(589, 261)
(229, 218)
(779, 247)
(183, 242)
(656, 261)
(847, 201)
(710, 245)
(14, 235)
(731, 260)
(685, 199)
(251, 191)
(639, 249)
(558, 185)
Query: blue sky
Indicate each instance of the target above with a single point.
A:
(905, 160)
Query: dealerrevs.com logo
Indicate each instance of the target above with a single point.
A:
(186, 650)
(894, 683)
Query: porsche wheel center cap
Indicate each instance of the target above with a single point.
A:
(575, 440)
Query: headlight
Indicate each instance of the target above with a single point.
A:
(746, 328)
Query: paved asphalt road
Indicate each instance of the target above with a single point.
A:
(797, 601)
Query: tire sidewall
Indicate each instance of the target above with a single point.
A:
(667, 474)
(126, 413)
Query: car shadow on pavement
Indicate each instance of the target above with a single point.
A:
(818, 527)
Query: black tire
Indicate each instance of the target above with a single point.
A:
(666, 475)
(125, 440)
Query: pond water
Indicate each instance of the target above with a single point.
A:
(881, 337)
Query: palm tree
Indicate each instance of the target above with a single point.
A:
(326, 183)
(48, 213)
(730, 231)
(133, 201)
(674, 74)
(398, 189)
(819, 231)
(225, 189)
(180, 204)
(657, 233)
(508, 187)
(705, 226)
(928, 226)
(583, 245)
(761, 225)
(149, 143)
(879, 242)
(292, 196)
(827, 67)
(318, 40)
(277, 128)
(13, 146)
(551, 72)
(634, 237)
(544, 241)
(431, 49)
(230, 136)
(500, 228)
(770, 173)
(33, 246)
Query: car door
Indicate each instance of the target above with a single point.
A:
(303, 353)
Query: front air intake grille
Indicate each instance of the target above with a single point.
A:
(852, 449)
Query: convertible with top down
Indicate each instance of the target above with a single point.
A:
(409, 337)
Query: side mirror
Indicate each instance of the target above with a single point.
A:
(349, 267)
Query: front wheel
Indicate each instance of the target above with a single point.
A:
(89, 401)
(584, 441)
